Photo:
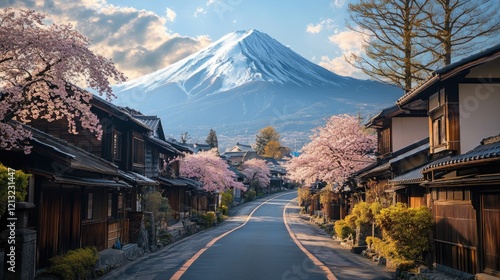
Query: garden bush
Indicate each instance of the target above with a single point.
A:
(342, 229)
(75, 264)
(250, 195)
(408, 230)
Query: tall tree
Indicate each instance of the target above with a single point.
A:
(39, 67)
(210, 169)
(336, 150)
(455, 27)
(266, 135)
(212, 139)
(391, 52)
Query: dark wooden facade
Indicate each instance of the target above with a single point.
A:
(463, 181)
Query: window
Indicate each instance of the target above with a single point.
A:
(110, 205)
(90, 206)
(438, 131)
(437, 115)
(117, 145)
(384, 143)
(138, 151)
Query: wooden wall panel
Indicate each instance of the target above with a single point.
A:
(491, 231)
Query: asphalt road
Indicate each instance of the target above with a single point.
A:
(254, 243)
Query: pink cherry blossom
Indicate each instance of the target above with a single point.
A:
(336, 150)
(210, 169)
(256, 170)
(40, 66)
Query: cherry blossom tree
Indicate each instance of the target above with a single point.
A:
(210, 169)
(336, 150)
(257, 172)
(40, 66)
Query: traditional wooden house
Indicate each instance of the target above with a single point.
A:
(402, 140)
(463, 100)
(106, 211)
(73, 191)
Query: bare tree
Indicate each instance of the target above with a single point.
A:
(407, 39)
(390, 29)
(184, 138)
(456, 27)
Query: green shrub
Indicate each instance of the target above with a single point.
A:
(224, 210)
(227, 198)
(209, 218)
(408, 230)
(76, 264)
(250, 195)
(342, 229)
(406, 265)
(20, 183)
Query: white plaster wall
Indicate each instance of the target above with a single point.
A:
(479, 114)
(406, 131)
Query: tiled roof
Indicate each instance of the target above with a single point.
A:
(451, 69)
(117, 111)
(381, 166)
(152, 121)
(79, 158)
(163, 144)
(411, 152)
(413, 177)
(173, 182)
(137, 178)
(90, 182)
(486, 152)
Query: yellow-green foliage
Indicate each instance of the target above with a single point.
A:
(303, 194)
(76, 264)
(383, 248)
(224, 210)
(250, 195)
(155, 202)
(326, 197)
(227, 198)
(351, 220)
(209, 218)
(365, 212)
(20, 183)
(342, 229)
(407, 229)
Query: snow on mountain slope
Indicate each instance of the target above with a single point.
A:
(247, 80)
(236, 59)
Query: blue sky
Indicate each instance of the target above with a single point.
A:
(147, 35)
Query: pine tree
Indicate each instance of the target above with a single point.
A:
(212, 139)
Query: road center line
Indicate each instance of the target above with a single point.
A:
(316, 261)
(188, 263)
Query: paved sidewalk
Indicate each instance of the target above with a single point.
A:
(340, 260)
(343, 263)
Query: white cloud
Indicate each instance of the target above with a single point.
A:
(199, 11)
(137, 41)
(338, 3)
(349, 42)
(171, 15)
(323, 24)
(314, 28)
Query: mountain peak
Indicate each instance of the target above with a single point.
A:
(237, 59)
(245, 81)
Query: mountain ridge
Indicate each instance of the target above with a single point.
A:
(245, 80)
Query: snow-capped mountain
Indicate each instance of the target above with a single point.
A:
(245, 81)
